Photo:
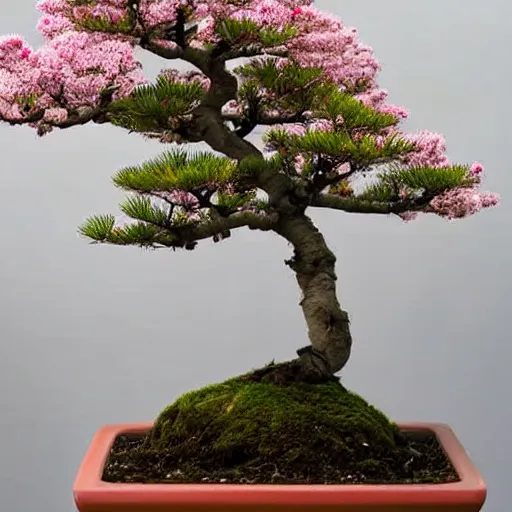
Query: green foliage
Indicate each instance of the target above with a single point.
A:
(271, 37)
(353, 113)
(279, 138)
(98, 228)
(250, 91)
(175, 170)
(431, 180)
(252, 165)
(279, 78)
(293, 86)
(138, 233)
(141, 208)
(102, 229)
(380, 193)
(151, 106)
(233, 201)
(363, 152)
(246, 31)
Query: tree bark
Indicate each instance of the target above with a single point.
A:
(313, 262)
(328, 324)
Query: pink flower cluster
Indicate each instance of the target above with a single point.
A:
(71, 70)
(430, 151)
(325, 42)
(462, 202)
(60, 16)
(184, 199)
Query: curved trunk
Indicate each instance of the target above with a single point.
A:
(328, 325)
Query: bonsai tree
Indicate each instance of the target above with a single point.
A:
(331, 140)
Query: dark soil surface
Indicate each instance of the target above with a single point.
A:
(422, 460)
(256, 429)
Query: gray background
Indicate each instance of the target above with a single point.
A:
(92, 335)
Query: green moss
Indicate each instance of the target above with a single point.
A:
(238, 426)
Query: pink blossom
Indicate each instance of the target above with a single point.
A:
(476, 169)
(321, 125)
(395, 110)
(184, 199)
(291, 128)
(71, 70)
(408, 216)
(343, 168)
(489, 199)
(55, 115)
(430, 150)
(299, 163)
(462, 202)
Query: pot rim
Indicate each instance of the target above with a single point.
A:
(89, 487)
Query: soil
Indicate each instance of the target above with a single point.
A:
(247, 431)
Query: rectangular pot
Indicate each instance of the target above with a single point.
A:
(91, 494)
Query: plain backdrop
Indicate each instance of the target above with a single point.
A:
(93, 334)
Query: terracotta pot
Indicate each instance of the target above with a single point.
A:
(93, 495)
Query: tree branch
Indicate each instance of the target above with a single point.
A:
(354, 205)
(162, 51)
(188, 236)
(265, 120)
(245, 124)
(251, 220)
(252, 51)
(76, 116)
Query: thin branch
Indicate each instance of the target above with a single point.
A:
(188, 236)
(77, 116)
(251, 220)
(253, 51)
(354, 205)
(162, 51)
(265, 119)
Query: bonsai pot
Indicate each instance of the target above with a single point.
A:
(91, 494)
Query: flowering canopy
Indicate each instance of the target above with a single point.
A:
(306, 77)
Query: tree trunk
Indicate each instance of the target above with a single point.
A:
(328, 325)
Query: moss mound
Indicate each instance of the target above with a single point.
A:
(255, 432)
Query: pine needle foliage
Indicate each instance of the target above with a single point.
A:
(142, 208)
(292, 87)
(102, 229)
(236, 32)
(252, 165)
(364, 151)
(151, 106)
(430, 181)
(177, 170)
(341, 107)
